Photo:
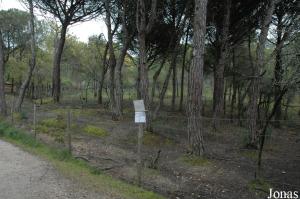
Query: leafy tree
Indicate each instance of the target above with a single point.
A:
(67, 13)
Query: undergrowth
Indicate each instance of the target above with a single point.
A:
(74, 168)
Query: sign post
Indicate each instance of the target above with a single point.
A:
(69, 142)
(140, 119)
(34, 120)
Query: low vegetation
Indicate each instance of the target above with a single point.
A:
(195, 160)
(259, 185)
(151, 139)
(95, 131)
(73, 168)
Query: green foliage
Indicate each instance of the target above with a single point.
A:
(195, 160)
(18, 116)
(53, 127)
(96, 131)
(54, 123)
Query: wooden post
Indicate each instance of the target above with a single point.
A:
(34, 120)
(140, 119)
(139, 159)
(69, 142)
(12, 110)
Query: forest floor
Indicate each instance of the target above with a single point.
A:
(227, 171)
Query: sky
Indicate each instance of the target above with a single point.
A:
(81, 30)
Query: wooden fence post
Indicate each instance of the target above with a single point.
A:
(69, 142)
(12, 110)
(139, 159)
(34, 120)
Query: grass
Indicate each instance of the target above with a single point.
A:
(57, 123)
(151, 139)
(19, 116)
(251, 154)
(195, 160)
(53, 127)
(73, 168)
(95, 131)
(75, 112)
(259, 185)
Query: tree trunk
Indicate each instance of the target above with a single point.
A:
(118, 95)
(3, 110)
(255, 82)
(155, 77)
(219, 69)
(174, 84)
(112, 60)
(234, 85)
(104, 71)
(143, 69)
(183, 70)
(194, 103)
(278, 71)
(118, 78)
(32, 63)
(12, 86)
(56, 80)
(165, 87)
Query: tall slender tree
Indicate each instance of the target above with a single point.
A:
(257, 73)
(32, 63)
(68, 13)
(3, 110)
(144, 27)
(194, 101)
(218, 100)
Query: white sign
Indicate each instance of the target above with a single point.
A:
(139, 105)
(140, 117)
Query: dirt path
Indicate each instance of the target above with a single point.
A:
(24, 176)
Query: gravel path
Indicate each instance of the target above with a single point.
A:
(24, 176)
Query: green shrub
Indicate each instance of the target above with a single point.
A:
(94, 130)
(195, 160)
(57, 123)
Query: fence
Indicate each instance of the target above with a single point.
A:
(91, 135)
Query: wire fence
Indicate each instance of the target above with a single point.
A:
(87, 126)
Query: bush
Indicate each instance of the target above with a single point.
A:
(54, 123)
(94, 130)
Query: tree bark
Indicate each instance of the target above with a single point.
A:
(32, 63)
(234, 87)
(104, 71)
(183, 69)
(12, 86)
(166, 82)
(278, 71)
(118, 94)
(218, 100)
(143, 27)
(155, 78)
(112, 60)
(174, 83)
(3, 109)
(118, 79)
(255, 81)
(56, 80)
(194, 103)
